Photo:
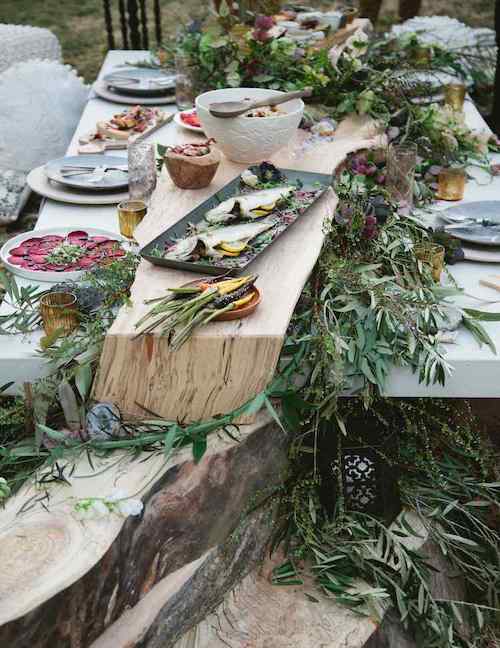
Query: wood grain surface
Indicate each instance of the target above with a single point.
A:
(225, 364)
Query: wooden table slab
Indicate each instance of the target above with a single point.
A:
(224, 364)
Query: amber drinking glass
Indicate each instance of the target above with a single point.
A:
(400, 172)
(454, 95)
(59, 313)
(130, 214)
(422, 55)
(350, 13)
(432, 255)
(451, 183)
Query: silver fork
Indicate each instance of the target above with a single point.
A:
(76, 170)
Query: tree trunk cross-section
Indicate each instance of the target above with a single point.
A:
(64, 581)
(227, 363)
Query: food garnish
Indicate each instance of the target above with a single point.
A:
(131, 121)
(191, 118)
(186, 308)
(265, 111)
(191, 150)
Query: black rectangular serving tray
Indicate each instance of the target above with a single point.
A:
(309, 182)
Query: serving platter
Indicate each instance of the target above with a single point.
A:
(141, 82)
(101, 89)
(51, 276)
(111, 180)
(152, 252)
(39, 183)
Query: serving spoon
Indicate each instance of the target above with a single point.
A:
(225, 109)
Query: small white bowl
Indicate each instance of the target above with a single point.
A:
(249, 139)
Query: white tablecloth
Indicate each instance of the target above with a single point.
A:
(476, 370)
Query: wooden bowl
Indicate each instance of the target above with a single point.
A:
(191, 172)
(245, 310)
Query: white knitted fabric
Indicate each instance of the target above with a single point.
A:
(439, 30)
(42, 102)
(23, 42)
(455, 36)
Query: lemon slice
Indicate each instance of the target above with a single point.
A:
(233, 248)
(268, 207)
(259, 212)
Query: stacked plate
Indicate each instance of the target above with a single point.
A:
(82, 179)
(477, 224)
(129, 85)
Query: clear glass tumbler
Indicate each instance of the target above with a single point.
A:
(185, 92)
(141, 170)
(400, 172)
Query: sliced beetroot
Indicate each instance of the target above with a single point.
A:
(19, 251)
(108, 245)
(39, 251)
(97, 250)
(85, 262)
(31, 241)
(38, 258)
(78, 234)
(19, 261)
(52, 237)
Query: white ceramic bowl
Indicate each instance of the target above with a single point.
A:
(249, 139)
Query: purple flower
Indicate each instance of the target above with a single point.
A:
(343, 215)
(370, 230)
(261, 36)
(264, 23)
(380, 179)
(371, 169)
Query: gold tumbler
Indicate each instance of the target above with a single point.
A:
(59, 313)
(451, 183)
(130, 214)
(432, 255)
(350, 13)
(454, 95)
(422, 55)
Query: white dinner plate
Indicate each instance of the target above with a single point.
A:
(141, 81)
(50, 276)
(38, 181)
(101, 89)
(111, 180)
(182, 124)
(477, 233)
